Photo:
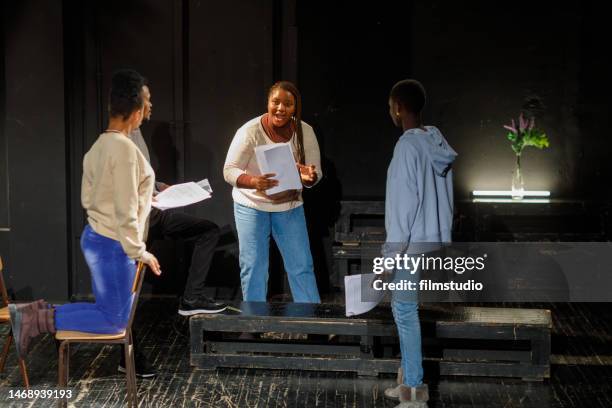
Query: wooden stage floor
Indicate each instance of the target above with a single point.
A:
(581, 373)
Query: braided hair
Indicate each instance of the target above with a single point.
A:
(297, 118)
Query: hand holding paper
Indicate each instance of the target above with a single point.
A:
(264, 182)
(180, 195)
(278, 159)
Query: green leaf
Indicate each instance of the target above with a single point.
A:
(536, 138)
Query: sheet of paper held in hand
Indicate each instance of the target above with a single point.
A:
(180, 195)
(352, 292)
(278, 158)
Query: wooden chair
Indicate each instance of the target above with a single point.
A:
(66, 337)
(5, 319)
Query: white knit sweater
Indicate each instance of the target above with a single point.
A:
(241, 159)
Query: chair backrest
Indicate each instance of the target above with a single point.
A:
(136, 286)
(5, 300)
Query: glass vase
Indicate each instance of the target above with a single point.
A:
(518, 186)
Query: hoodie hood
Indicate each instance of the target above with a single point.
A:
(440, 153)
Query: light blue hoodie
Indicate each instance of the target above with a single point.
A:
(419, 197)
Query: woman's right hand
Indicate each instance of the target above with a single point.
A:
(151, 261)
(263, 182)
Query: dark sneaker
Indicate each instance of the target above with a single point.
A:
(203, 305)
(143, 368)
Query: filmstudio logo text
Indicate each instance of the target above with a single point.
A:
(422, 263)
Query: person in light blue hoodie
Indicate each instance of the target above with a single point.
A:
(418, 209)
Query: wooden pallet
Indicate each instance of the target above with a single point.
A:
(359, 342)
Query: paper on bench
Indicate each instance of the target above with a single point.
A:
(353, 285)
(278, 158)
(180, 195)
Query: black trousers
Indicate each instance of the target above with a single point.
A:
(203, 234)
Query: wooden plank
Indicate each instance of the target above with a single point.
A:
(313, 313)
(500, 316)
(358, 365)
(540, 346)
(490, 332)
(298, 326)
(495, 370)
(233, 347)
(487, 355)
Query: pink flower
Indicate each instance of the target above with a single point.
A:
(512, 127)
(522, 123)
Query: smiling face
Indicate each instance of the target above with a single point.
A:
(281, 107)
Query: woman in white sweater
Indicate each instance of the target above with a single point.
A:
(259, 215)
(116, 192)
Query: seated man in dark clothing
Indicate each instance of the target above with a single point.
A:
(202, 233)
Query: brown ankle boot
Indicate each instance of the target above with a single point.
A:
(393, 392)
(411, 394)
(41, 304)
(26, 323)
(46, 321)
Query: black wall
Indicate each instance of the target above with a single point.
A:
(481, 64)
(209, 65)
(349, 57)
(36, 145)
(230, 61)
(4, 219)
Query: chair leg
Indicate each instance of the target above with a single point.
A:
(62, 375)
(21, 362)
(130, 372)
(24, 373)
(67, 366)
(5, 350)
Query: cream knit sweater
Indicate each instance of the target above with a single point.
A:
(116, 191)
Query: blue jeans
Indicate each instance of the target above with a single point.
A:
(112, 277)
(406, 315)
(289, 231)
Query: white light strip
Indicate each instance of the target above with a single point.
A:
(508, 193)
(510, 200)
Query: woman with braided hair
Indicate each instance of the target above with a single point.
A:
(259, 215)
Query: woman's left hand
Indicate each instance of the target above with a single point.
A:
(308, 174)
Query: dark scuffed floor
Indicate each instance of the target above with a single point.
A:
(581, 373)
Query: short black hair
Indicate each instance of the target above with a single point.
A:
(125, 93)
(410, 94)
